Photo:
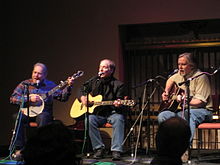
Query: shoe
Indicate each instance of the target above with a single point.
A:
(99, 153)
(116, 155)
(17, 155)
(185, 157)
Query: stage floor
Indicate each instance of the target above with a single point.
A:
(142, 161)
(206, 159)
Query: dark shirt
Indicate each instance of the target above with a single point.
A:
(19, 95)
(110, 88)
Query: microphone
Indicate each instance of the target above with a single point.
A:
(37, 83)
(100, 73)
(172, 73)
(216, 70)
(150, 80)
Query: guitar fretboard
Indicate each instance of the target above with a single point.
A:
(61, 85)
(104, 103)
(124, 102)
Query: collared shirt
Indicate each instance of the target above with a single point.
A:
(199, 87)
(19, 95)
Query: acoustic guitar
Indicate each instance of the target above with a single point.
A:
(79, 109)
(172, 104)
(37, 108)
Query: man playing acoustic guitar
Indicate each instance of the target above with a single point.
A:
(40, 108)
(110, 89)
(200, 100)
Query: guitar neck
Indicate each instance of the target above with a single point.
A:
(103, 103)
(62, 85)
(58, 87)
(123, 102)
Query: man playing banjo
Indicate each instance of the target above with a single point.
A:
(29, 94)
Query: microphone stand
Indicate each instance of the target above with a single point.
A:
(140, 116)
(87, 126)
(187, 83)
(18, 120)
(86, 137)
(28, 104)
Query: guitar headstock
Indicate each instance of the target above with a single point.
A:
(129, 102)
(78, 74)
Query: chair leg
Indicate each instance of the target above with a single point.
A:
(199, 143)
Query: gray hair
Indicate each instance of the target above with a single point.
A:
(112, 65)
(45, 71)
(190, 59)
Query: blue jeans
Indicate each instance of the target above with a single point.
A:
(197, 116)
(117, 121)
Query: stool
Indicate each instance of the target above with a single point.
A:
(201, 139)
(33, 124)
(30, 130)
(209, 128)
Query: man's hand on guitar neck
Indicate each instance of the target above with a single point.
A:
(165, 96)
(117, 103)
(70, 81)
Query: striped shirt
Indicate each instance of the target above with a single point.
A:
(19, 95)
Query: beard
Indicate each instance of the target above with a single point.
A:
(182, 73)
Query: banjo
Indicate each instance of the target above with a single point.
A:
(36, 109)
